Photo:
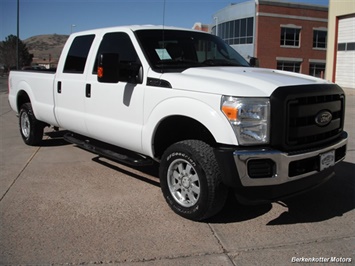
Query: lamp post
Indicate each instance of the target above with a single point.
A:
(216, 20)
(71, 28)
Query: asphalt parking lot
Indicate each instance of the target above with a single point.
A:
(62, 205)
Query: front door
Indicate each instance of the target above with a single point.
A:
(114, 111)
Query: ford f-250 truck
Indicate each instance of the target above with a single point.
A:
(187, 100)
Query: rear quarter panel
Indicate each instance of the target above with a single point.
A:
(39, 88)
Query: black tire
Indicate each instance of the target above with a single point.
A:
(190, 180)
(30, 128)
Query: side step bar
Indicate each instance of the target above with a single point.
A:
(108, 151)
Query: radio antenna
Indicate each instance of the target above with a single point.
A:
(164, 14)
(163, 33)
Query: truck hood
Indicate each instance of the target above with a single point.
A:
(241, 81)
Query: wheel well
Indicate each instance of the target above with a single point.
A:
(22, 98)
(178, 128)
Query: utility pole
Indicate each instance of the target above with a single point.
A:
(18, 35)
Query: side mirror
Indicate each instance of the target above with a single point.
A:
(134, 72)
(254, 62)
(108, 69)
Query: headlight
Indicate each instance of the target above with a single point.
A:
(249, 117)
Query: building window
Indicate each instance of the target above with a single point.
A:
(293, 66)
(319, 39)
(346, 46)
(237, 31)
(317, 69)
(290, 37)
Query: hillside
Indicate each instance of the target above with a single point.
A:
(43, 46)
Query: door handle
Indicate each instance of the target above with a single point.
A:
(59, 87)
(88, 91)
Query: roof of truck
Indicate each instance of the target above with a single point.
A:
(132, 28)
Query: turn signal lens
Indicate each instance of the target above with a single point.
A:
(100, 72)
(230, 108)
(231, 112)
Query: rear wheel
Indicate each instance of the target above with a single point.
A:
(191, 181)
(30, 128)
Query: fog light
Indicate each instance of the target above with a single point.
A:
(262, 168)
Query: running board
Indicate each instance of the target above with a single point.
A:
(108, 151)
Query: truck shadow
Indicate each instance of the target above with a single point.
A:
(332, 199)
(149, 170)
(55, 138)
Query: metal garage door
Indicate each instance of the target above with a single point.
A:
(345, 66)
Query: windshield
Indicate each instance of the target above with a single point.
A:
(177, 50)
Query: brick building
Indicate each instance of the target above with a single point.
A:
(281, 35)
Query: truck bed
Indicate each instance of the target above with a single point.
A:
(39, 87)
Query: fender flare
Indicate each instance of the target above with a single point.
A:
(213, 120)
(24, 87)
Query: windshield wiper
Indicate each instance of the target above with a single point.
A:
(177, 63)
(220, 62)
(191, 63)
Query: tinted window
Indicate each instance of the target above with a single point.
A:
(341, 46)
(78, 53)
(120, 43)
(351, 46)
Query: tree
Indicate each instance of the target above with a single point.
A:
(8, 53)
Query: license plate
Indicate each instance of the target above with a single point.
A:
(327, 159)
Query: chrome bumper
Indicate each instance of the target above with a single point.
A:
(282, 161)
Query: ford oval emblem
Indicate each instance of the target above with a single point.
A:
(323, 118)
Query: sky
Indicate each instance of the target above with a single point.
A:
(65, 16)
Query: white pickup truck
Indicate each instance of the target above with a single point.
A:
(185, 99)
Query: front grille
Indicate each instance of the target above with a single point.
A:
(297, 116)
(302, 128)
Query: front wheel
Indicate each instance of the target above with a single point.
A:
(190, 180)
(30, 128)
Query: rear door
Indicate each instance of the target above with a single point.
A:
(114, 111)
(70, 85)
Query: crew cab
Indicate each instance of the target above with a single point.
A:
(188, 101)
